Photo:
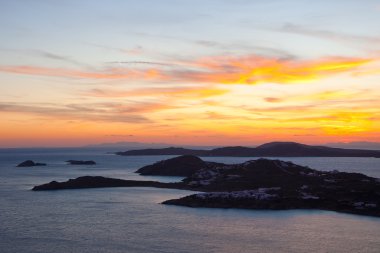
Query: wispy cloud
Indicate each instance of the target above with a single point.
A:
(333, 95)
(250, 69)
(47, 55)
(143, 62)
(84, 112)
(260, 50)
(106, 74)
(181, 92)
(144, 107)
(137, 50)
(256, 69)
(225, 46)
(226, 117)
(325, 34)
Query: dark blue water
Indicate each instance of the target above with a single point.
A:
(132, 220)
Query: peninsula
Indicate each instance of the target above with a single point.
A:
(255, 184)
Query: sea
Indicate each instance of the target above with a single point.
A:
(133, 220)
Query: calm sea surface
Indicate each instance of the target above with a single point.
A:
(132, 220)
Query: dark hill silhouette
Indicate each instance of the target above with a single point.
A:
(182, 166)
(30, 163)
(164, 151)
(272, 149)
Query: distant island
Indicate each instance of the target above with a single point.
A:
(255, 184)
(80, 162)
(272, 149)
(30, 163)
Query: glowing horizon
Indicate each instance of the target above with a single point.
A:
(110, 75)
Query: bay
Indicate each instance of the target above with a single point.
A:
(133, 220)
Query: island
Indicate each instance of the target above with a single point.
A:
(255, 184)
(78, 162)
(272, 149)
(102, 182)
(30, 163)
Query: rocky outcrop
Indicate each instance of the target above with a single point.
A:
(78, 162)
(30, 163)
(182, 166)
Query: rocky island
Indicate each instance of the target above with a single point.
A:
(30, 163)
(78, 162)
(102, 182)
(255, 184)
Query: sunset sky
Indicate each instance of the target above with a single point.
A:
(199, 72)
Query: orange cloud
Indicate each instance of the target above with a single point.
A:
(111, 73)
(256, 69)
(319, 96)
(183, 92)
(100, 112)
(251, 69)
(142, 108)
(273, 99)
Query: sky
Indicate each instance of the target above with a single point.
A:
(200, 72)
